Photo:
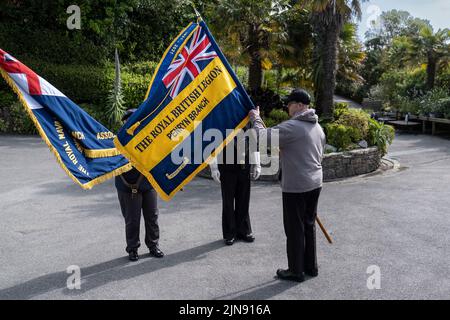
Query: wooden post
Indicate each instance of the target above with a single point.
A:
(433, 128)
(424, 126)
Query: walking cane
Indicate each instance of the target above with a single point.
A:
(324, 231)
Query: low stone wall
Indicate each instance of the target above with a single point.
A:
(352, 163)
(335, 165)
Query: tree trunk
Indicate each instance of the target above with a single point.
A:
(329, 66)
(431, 71)
(326, 82)
(326, 49)
(255, 68)
(278, 80)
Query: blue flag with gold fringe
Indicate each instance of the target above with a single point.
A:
(83, 147)
(194, 106)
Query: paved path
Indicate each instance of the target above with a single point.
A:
(399, 221)
(351, 103)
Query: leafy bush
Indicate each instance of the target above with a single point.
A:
(340, 136)
(407, 83)
(444, 107)
(19, 121)
(242, 74)
(134, 87)
(356, 119)
(339, 109)
(275, 117)
(56, 46)
(380, 135)
(353, 125)
(435, 101)
(13, 117)
(143, 68)
(3, 126)
(406, 104)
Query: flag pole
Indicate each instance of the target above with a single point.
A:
(199, 17)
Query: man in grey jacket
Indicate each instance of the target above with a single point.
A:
(301, 143)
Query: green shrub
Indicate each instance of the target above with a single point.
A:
(380, 135)
(134, 88)
(13, 116)
(444, 107)
(20, 122)
(3, 126)
(340, 136)
(406, 83)
(435, 101)
(275, 117)
(406, 104)
(356, 119)
(242, 74)
(143, 68)
(7, 98)
(339, 109)
(56, 46)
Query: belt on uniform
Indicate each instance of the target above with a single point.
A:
(134, 187)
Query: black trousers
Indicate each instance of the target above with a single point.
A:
(299, 215)
(235, 185)
(132, 206)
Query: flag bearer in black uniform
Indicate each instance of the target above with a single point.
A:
(136, 195)
(234, 176)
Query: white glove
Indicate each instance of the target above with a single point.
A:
(255, 161)
(254, 114)
(215, 173)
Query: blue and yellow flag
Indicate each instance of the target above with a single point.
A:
(194, 106)
(82, 146)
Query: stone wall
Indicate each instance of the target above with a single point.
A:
(335, 165)
(352, 163)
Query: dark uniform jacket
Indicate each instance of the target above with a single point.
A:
(237, 163)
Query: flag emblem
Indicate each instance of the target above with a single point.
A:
(187, 62)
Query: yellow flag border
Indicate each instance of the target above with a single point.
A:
(43, 135)
(149, 176)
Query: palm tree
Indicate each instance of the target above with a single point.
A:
(328, 18)
(434, 47)
(350, 60)
(256, 26)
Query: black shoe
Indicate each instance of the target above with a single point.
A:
(156, 252)
(133, 255)
(312, 273)
(229, 242)
(288, 275)
(248, 237)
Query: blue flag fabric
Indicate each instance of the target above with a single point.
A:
(83, 147)
(193, 90)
